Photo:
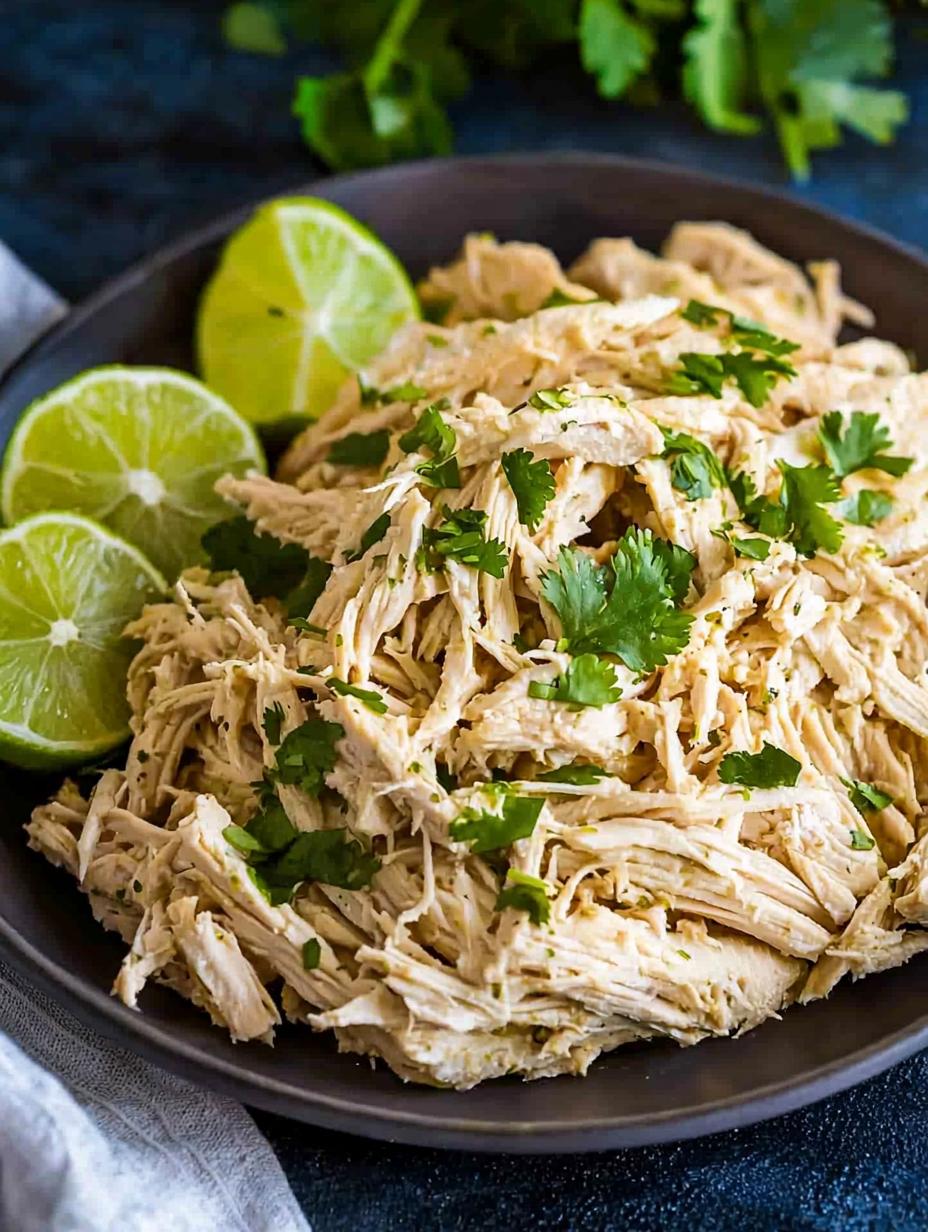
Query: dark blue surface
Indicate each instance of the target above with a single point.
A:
(122, 125)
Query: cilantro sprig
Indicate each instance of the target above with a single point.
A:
(486, 831)
(461, 536)
(525, 893)
(695, 470)
(749, 334)
(360, 448)
(859, 444)
(865, 797)
(755, 375)
(577, 773)
(798, 514)
(268, 567)
(431, 433)
(532, 485)
(630, 608)
(588, 681)
(771, 767)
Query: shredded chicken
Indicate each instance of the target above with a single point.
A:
(666, 892)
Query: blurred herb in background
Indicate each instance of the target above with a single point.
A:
(805, 63)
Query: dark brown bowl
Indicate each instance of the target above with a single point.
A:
(650, 1093)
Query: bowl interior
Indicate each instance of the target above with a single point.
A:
(647, 1093)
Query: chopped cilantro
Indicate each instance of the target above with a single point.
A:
(532, 485)
(805, 492)
(302, 599)
(523, 892)
(629, 611)
(360, 448)
(698, 374)
(695, 470)
(241, 840)
(461, 536)
(306, 626)
(865, 797)
(270, 826)
(861, 841)
(753, 549)
(859, 445)
(265, 565)
(328, 856)
(271, 721)
(588, 681)
(755, 375)
(433, 434)
(312, 954)
(577, 773)
(551, 399)
(771, 767)
(407, 392)
(374, 533)
(698, 313)
(491, 831)
(371, 699)
(866, 507)
(748, 334)
(306, 755)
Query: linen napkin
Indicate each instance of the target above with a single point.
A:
(93, 1138)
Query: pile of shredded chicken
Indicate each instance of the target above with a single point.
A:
(660, 900)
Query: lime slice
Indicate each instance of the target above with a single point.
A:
(68, 587)
(136, 448)
(303, 296)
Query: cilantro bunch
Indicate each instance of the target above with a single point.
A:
(807, 65)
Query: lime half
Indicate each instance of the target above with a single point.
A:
(68, 587)
(303, 296)
(136, 448)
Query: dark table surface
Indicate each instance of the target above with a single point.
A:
(124, 124)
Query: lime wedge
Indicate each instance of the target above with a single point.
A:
(68, 587)
(136, 448)
(303, 296)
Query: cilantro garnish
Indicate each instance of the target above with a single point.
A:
(865, 797)
(629, 610)
(753, 549)
(491, 831)
(302, 599)
(698, 313)
(748, 334)
(312, 954)
(771, 767)
(695, 470)
(360, 448)
(306, 755)
(532, 485)
(433, 434)
(859, 445)
(271, 721)
(266, 566)
(577, 773)
(374, 533)
(329, 856)
(523, 892)
(861, 841)
(461, 536)
(755, 375)
(866, 507)
(371, 699)
(798, 514)
(551, 399)
(407, 392)
(588, 681)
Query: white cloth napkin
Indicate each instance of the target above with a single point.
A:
(92, 1138)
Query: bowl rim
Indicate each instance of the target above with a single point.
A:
(158, 1044)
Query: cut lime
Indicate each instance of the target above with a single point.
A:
(303, 296)
(68, 587)
(136, 448)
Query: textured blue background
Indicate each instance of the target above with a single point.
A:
(125, 122)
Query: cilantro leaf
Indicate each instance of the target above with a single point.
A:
(715, 71)
(266, 566)
(461, 536)
(865, 797)
(859, 445)
(633, 613)
(374, 533)
(866, 507)
(306, 755)
(523, 892)
(698, 374)
(271, 721)
(861, 841)
(757, 511)
(756, 337)
(551, 399)
(805, 492)
(695, 470)
(701, 314)
(360, 448)
(771, 767)
(270, 827)
(532, 485)
(312, 954)
(579, 774)
(327, 856)
(370, 697)
(588, 681)
(753, 549)
(302, 599)
(756, 375)
(614, 46)
(241, 840)
(491, 831)
(407, 392)
(432, 433)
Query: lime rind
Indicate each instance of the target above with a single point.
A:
(113, 580)
(137, 448)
